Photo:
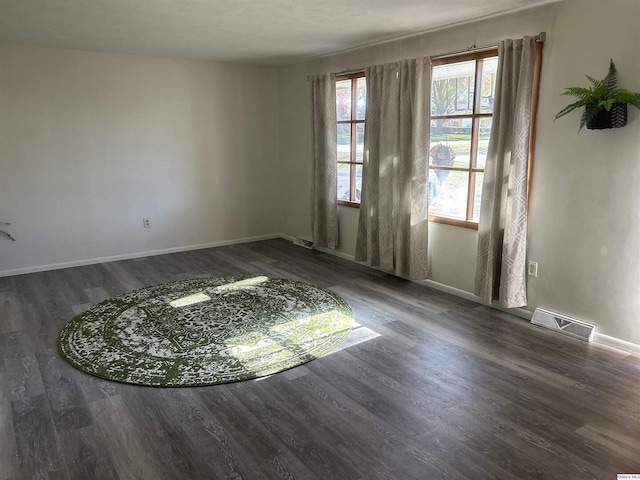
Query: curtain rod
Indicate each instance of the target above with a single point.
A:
(540, 38)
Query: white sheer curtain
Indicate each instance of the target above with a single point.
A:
(393, 224)
(502, 229)
(324, 195)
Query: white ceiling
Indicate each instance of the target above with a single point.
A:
(271, 32)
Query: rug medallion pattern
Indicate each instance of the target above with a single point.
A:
(205, 331)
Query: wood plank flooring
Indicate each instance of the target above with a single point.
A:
(428, 386)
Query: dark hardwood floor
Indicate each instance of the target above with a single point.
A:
(428, 386)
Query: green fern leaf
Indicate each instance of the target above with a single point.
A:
(607, 104)
(579, 92)
(611, 80)
(6, 234)
(583, 120)
(595, 83)
(635, 100)
(570, 108)
(589, 114)
(621, 95)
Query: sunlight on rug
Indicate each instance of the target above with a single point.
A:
(206, 331)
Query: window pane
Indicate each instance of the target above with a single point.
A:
(359, 141)
(489, 69)
(477, 197)
(344, 181)
(452, 88)
(344, 142)
(343, 100)
(483, 141)
(451, 142)
(358, 182)
(449, 194)
(361, 95)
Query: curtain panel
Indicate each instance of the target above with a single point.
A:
(502, 229)
(393, 223)
(324, 194)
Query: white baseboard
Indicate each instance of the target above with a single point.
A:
(128, 256)
(616, 343)
(337, 253)
(598, 337)
(520, 312)
(429, 283)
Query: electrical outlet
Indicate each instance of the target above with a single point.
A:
(532, 269)
(146, 223)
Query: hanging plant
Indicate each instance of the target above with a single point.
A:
(605, 105)
(6, 234)
(442, 155)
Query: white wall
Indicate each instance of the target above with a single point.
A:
(92, 142)
(584, 228)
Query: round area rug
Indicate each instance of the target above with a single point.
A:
(206, 331)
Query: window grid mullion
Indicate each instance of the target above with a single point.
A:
(475, 128)
(460, 116)
(471, 193)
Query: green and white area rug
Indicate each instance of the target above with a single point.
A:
(206, 331)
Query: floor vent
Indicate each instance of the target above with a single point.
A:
(303, 242)
(560, 323)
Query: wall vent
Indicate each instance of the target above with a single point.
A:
(303, 242)
(563, 324)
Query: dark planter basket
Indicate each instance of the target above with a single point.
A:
(614, 118)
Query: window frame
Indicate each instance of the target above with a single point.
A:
(441, 61)
(353, 77)
(534, 120)
(476, 115)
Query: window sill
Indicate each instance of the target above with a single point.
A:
(344, 203)
(432, 218)
(454, 222)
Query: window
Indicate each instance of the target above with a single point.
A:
(462, 93)
(351, 98)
